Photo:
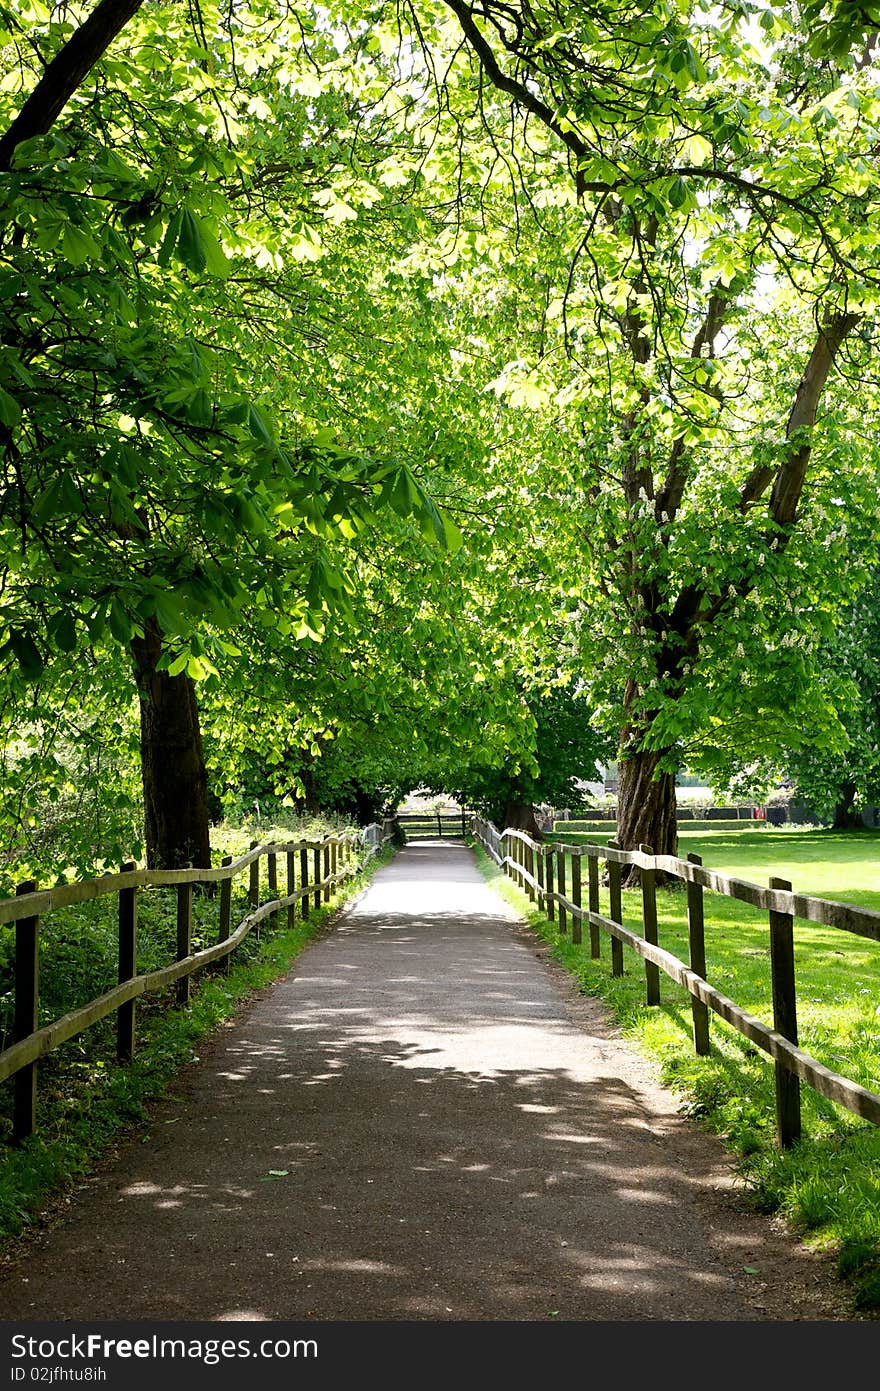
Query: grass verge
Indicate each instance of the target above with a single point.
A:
(87, 1101)
(827, 1186)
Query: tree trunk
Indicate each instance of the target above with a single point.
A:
(176, 821)
(646, 807)
(846, 818)
(520, 816)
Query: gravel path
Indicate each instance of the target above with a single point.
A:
(422, 1121)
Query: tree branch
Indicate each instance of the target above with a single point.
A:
(790, 478)
(66, 72)
(789, 475)
(518, 90)
(670, 495)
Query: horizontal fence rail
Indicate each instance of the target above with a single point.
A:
(534, 867)
(322, 865)
(454, 825)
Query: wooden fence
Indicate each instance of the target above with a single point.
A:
(541, 871)
(321, 865)
(446, 825)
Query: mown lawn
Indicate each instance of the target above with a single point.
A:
(828, 1185)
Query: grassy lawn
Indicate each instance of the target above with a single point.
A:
(828, 1185)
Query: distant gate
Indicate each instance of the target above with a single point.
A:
(429, 824)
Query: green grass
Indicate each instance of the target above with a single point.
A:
(578, 830)
(85, 1100)
(828, 1185)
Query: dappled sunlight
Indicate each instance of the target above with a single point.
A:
(356, 1267)
(450, 1194)
(410, 1126)
(634, 1270)
(241, 1316)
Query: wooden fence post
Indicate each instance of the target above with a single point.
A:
(560, 886)
(649, 921)
(316, 891)
(788, 1087)
(254, 889)
(593, 900)
(272, 879)
(25, 1019)
(576, 921)
(304, 879)
(225, 911)
(184, 936)
(615, 911)
(291, 886)
(548, 865)
(697, 949)
(326, 876)
(334, 860)
(127, 966)
(539, 867)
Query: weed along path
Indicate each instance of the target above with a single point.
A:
(422, 1121)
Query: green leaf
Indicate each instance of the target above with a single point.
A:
(30, 152)
(402, 492)
(197, 362)
(77, 246)
(179, 664)
(200, 409)
(63, 632)
(10, 410)
(259, 428)
(169, 241)
(95, 624)
(452, 535)
(125, 462)
(190, 247)
(167, 613)
(27, 654)
(61, 500)
(119, 621)
(677, 192)
(216, 262)
(697, 149)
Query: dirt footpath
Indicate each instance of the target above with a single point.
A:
(422, 1121)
